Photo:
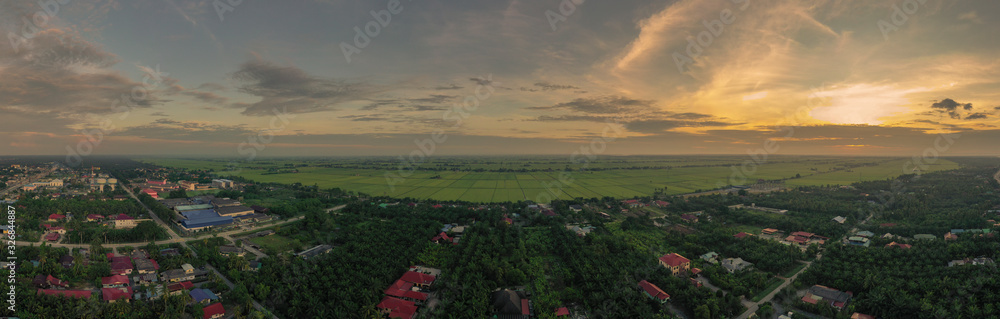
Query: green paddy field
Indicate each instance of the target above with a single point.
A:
(493, 179)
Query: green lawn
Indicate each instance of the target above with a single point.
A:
(772, 284)
(680, 175)
(274, 244)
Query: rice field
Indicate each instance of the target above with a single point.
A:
(620, 177)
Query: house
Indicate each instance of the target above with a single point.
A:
(404, 290)
(840, 219)
(225, 202)
(633, 203)
(397, 308)
(742, 235)
(315, 251)
(510, 304)
(924, 236)
(769, 231)
(661, 204)
(858, 241)
(176, 275)
(94, 217)
(234, 211)
(56, 217)
(676, 263)
(200, 295)
(898, 245)
(121, 265)
(177, 288)
(55, 229)
(689, 218)
(43, 281)
(654, 292)
(145, 279)
(971, 261)
(562, 311)
(66, 261)
(114, 294)
(825, 295)
(151, 193)
(213, 311)
(857, 315)
(888, 225)
(114, 281)
(79, 294)
(733, 265)
(580, 231)
(865, 233)
(575, 208)
(229, 249)
(146, 266)
(260, 209)
(255, 265)
(950, 236)
(52, 236)
(711, 257)
(442, 238)
(418, 279)
(507, 220)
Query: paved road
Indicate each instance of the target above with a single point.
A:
(752, 306)
(152, 215)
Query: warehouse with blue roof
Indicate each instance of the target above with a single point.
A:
(199, 219)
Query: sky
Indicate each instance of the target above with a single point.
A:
(246, 78)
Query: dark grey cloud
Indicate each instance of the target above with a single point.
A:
(449, 87)
(977, 116)
(951, 107)
(602, 105)
(159, 114)
(168, 129)
(207, 97)
(209, 86)
(546, 86)
(290, 89)
(59, 74)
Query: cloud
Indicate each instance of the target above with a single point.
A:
(207, 97)
(292, 90)
(59, 74)
(169, 129)
(449, 87)
(951, 107)
(546, 86)
(602, 105)
(209, 86)
(977, 116)
(971, 16)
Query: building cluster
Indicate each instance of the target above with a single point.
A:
(129, 274)
(404, 296)
(204, 212)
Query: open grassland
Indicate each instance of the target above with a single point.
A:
(274, 244)
(511, 179)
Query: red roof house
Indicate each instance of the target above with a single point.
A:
(121, 265)
(114, 281)
(661, 203)
(55, 217)
(56, 281)
(397, 308)
(214, 310)
(150, 192)
(653, 291)
(417, 278)
(52, 236)
(562, 311)
(66, 293)
(675, 262)
(440, 237)
(689, 218)
(741, 235)
(114, 294)
(898, 245)
(123, 217)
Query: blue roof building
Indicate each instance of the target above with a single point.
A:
(203, 295)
